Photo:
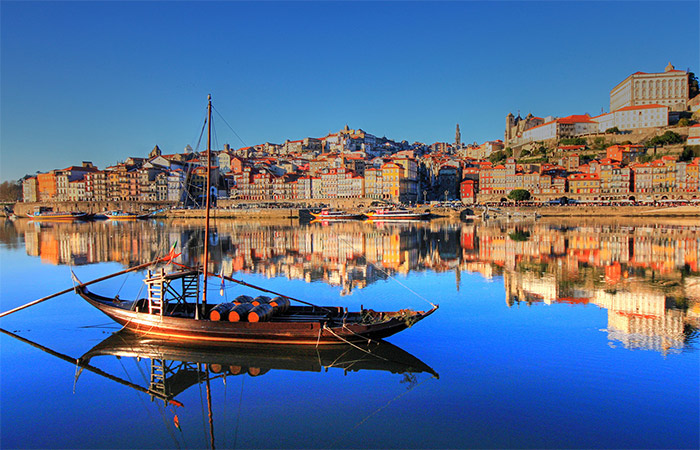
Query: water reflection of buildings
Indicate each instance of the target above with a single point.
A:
(640, 274)
(645, 277)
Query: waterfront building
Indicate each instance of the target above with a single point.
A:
(96, 186)
(304, 189)
(668, 88)
(642, 177)
(373, 183)
(391, 181)
(584, 183)
(76, 190)
(46, 185)
(29, 190)
(468, 190)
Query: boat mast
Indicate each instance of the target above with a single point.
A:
(206, 221)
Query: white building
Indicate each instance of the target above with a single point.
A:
(669, 88)
(634, 117)
(565, 127)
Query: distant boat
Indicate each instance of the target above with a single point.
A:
(396, 214)
(44, 213)
(122, 215)
(332, 214)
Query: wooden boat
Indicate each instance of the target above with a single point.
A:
(174, 310)
(49, 214)
(331, 214)
(179, 317)
(396, 214)
(123, 215)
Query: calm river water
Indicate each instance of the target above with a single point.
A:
(552, 334)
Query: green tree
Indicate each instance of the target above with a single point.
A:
(613, 130)
(668, 138)
(497, 157)
(519, 235)
(519, 195)
(693, 89)
(689, 152)
(684, 122)
(573, 141)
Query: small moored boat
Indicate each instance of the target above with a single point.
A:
(44, 213)
(332, 214)
(396, 214)
(123, 215)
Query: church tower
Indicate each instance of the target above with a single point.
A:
(458, 138)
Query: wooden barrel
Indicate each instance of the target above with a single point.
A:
(215, 368)
(243, 299)
(281, 304)
(239, 312)
(261, 299)
(260, 313)
(219, 311)
(235, 370)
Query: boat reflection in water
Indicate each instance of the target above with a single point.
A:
(257, 359)
(175, 367)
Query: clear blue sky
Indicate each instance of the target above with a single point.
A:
(102, 81)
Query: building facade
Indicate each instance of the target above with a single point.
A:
(669, 88)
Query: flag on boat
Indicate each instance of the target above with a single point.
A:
(171, 255)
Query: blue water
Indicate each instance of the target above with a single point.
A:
(542, 373)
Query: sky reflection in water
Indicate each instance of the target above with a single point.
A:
(548, 335)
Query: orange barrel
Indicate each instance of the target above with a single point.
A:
(235, 370)
(281, 304)
(216, 368)
(259, 300)
(260, 313)
(239, 312)
(243, 299)
(219, 311)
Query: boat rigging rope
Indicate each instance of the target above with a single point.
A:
(333, 444)
(229, 126)
(325, 327)
(160, 409)
(388, 274)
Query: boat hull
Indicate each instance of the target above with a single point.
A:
(59, 217)
(184, 329)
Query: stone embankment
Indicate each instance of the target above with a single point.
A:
(21, 209)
